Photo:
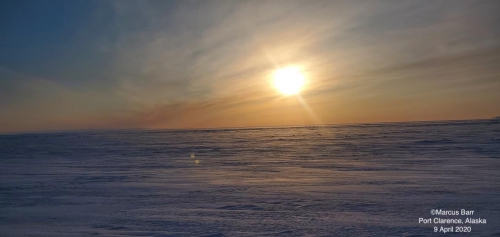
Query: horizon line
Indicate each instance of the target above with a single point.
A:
(226, 128)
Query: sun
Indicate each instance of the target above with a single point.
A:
(289, 80)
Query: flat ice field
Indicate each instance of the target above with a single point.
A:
(345, 180)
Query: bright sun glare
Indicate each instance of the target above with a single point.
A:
(289, 80)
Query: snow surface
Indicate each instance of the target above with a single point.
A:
(345, 180)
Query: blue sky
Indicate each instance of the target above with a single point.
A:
(186, 64)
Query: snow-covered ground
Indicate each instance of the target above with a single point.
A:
(345, 180)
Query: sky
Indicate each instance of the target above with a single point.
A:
(69, 65)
